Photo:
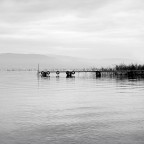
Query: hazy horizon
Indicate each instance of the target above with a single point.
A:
(31, 61)
(79, 28)
(61, 55)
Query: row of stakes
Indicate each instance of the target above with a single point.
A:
(69, 74)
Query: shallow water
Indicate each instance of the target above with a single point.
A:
(80, 110)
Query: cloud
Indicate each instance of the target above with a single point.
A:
(20, 10)
(63, 26)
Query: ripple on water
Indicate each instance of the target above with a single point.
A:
(83, 109)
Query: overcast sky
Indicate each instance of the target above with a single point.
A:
(83, 28)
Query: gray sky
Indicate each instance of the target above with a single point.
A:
(83, 28)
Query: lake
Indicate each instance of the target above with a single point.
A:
(80, 110)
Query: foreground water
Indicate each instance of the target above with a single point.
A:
(80, 110)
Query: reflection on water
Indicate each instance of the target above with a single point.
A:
(80, 110)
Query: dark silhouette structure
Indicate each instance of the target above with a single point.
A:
(70, 74)
(45, 73)
(98, 74)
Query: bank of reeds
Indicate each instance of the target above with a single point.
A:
(131, 67)
(121, 67)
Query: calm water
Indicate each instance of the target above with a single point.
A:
(81, 110)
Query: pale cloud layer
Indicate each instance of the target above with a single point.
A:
(83, 28)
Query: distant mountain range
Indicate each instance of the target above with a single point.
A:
(30, 61)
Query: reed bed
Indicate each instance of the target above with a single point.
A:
(121, 67)
(129, 67)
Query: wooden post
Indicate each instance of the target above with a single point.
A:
(69, 74)
(38, 69)
(98, 74)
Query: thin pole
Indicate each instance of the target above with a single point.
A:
(38, 68)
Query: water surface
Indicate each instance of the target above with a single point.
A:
(80, 110)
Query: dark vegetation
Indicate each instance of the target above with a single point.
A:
(122, 67)
(129, 67)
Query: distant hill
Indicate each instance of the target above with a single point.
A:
(30, 61)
